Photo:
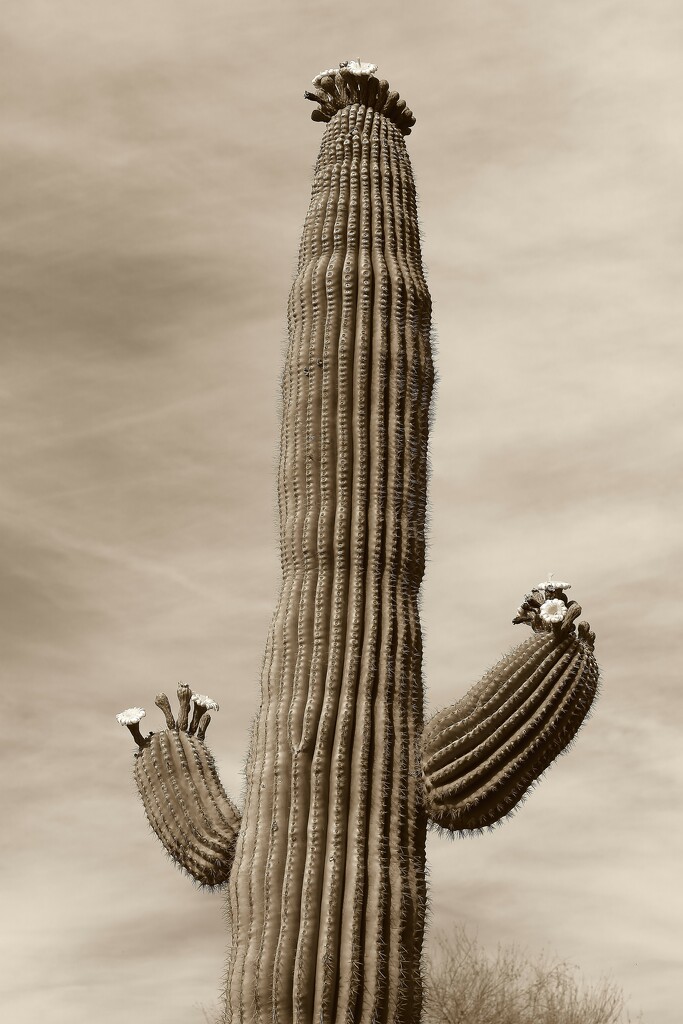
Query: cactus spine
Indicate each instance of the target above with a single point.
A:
(326, 891)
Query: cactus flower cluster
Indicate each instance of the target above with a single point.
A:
(324, 867)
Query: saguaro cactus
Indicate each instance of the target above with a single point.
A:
(325, 869)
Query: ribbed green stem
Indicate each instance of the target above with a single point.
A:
(327, 894)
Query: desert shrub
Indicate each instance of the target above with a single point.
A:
(465, 984)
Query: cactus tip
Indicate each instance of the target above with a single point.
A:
(353, 81)
(547, 609)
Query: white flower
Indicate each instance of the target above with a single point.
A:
(131, 716)
(205, 702)
(553, 610)
(357, 67)
(553, 584)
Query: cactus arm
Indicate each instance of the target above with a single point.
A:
(482, 754)
(181, 792)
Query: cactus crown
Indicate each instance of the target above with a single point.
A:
(355, 82)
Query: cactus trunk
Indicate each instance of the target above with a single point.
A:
(327, 893)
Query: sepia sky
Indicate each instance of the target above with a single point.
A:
(156, 167)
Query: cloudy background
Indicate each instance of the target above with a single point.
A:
(156, 165)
